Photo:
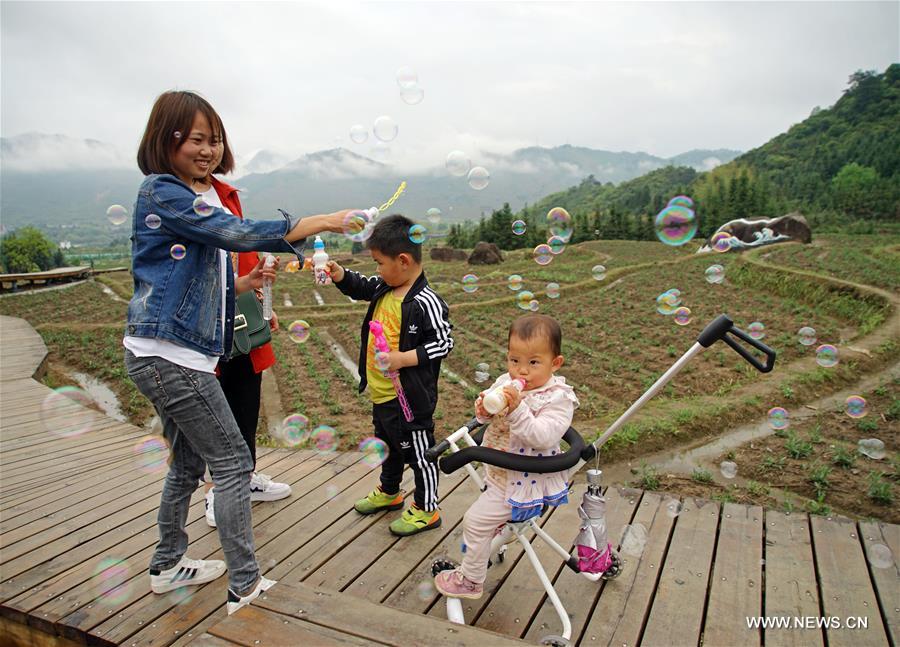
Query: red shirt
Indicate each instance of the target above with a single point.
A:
(264, 356)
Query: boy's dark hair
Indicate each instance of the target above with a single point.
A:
(529, 326)
(390, 236)
(174, 112)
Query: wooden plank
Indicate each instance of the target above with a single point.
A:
(318, 538)
(791, 587)
(844, 583)
(208, 640)
(677, 611)
(285, 524)
(737, 584)
(374, 575)
(577, 593)
(382, 623)
(252, 626)
(885, 575)
(624, 604)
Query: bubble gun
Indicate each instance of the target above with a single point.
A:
(381, 346)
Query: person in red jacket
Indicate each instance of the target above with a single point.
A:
(241, 377)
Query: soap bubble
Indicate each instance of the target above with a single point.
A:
(560, 223)
(177, 251)
(433, 215)
(324, 438)
(675, 225)
(151, 454)
(514, 281)
(412, 96)
(779, 418)
(756, 330)
(469, 283)
(668, 301)
(880, 556)
(524, 299)
(681, 201)
(298, 331)
(634, 538)
(871, 447)
(407, 77)
(385, 128)
(66, 412)
(728, 469)
(598, 272)
(519, 227)
(114, 581)
(457, 163)
(482, 372)
(806, 336)
(374, 451)
(856, 406)
(117, 214)
(202, 207)
(358, 226)
(359, 134)
(827, 356)
(534, 305)
(715, 274)
(418, 234)
(720, 241)
(674, 508)
(552, 290)
(543, 254)
(557, 244)
(152, 221)
(479, 178)
(380, 151)
(682, 316)
(295, 429)
(382, 361)
(425, 590)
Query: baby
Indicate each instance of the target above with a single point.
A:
(532, 424)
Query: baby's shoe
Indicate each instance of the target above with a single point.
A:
(454, 584)
(378, 500)
(415, 520)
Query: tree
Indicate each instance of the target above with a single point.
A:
(27, 249)
(855, 189)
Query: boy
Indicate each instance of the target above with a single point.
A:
(417, 329)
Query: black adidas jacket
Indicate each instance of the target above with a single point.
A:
(424, 326)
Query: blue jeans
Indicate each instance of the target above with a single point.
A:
(200, 429)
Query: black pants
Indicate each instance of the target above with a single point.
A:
(242, 388)
(405, 448)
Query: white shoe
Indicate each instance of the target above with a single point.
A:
(235, 601)
(262, 488)
(210, 510)
(187, 572)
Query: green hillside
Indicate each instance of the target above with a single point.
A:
(840, 165)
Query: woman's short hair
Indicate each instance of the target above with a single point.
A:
(168, 128)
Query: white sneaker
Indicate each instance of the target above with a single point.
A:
(187, 572)
(262, 488)
(235, 601)
(210, 510)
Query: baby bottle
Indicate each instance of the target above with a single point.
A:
(494, 401)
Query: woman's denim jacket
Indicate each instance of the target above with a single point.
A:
(181, 300)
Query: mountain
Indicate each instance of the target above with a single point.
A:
(64, 185)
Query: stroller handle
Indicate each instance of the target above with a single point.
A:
(721, 327)
(433, 453)
(578, 451)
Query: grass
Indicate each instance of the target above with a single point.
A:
(796, 447)
(648, 478)
(880, 490)
(701, 475)
(843, 456)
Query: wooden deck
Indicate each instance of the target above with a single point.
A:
(77, 528)
(48, 277)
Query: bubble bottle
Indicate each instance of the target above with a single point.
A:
(320, 263)
(267, 289)
(494, 400)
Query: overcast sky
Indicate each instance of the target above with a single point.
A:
(294, 77)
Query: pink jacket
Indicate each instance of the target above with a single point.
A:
(534, 428)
